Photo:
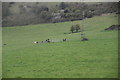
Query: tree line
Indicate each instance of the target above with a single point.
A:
(36, 14)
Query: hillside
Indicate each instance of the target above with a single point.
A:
(28, 13)
(14, 9)
(96, 58)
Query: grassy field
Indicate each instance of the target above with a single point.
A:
(96, 58)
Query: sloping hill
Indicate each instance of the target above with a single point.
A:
(15, 8)
(96, 58)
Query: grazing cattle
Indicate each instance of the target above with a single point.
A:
(4, 44)
(84, 39)
(48, 40)
(64, 39)
(36, 42)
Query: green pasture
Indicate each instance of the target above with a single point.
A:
(96, 58)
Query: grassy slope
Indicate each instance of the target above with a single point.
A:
(92, 59)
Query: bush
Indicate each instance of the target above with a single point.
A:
(75, 28)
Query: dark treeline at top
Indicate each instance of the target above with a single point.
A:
(16, 14)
